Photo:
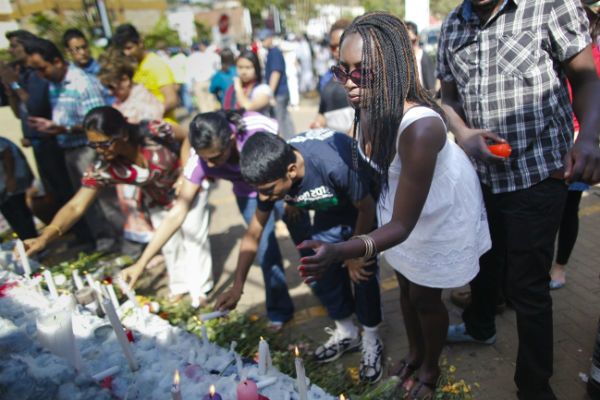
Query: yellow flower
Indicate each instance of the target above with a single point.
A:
(253, 318)
(452, 369)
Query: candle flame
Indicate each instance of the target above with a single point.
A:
(261, 339)
(212, 390)
(342, 397)
(176, 377)
(296, 351)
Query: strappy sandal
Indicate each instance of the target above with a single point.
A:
(405, 372)
(419, 385)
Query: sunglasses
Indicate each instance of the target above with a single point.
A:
(360, 76)
(105, 144)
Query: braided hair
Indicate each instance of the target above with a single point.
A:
(393, 79)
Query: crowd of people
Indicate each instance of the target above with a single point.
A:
(377, 169)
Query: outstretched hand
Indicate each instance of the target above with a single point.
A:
(313, 266)
(32, 246)
(229, 299)
(132, 273)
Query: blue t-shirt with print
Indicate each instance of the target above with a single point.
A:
(275, 62)
(331, 185)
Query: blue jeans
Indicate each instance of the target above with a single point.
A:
(334, 288)
(279, 303)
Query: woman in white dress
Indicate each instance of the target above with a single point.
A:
(433, 225)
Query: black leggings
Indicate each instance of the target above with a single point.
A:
(569, 227)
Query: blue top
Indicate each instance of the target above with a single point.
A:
(220, 82)
(275, 62)
(331, 185)
(93, 69)
(38, 103)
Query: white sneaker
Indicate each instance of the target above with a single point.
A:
(336, 345)
(370, 363)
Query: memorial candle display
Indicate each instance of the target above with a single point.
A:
(175, 389)
(77, 280)
(300, 376)
(212, 394)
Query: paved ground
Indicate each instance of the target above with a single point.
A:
(576, 307)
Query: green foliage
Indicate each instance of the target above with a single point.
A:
(203, 31)
(395, 7)
(161, 36)
(256, 6)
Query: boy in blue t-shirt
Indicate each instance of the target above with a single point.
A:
(314, 170)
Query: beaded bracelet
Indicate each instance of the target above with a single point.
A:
(370, 248)
(58, 230)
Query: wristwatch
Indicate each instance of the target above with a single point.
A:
(15, 85)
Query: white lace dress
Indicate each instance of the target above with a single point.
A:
(452, 232)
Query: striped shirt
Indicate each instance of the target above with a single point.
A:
(510, 81)
(71, 100)
(196, 168)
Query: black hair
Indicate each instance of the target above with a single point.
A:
(411, 26)
(72, 33)
(21, 35)
(265, 158)
(227, 57)
(124, 34)
(253, 58)
(207, 128)
(110, 122)
(45, 48)
(388, 54)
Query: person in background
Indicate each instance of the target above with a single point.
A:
(152, 71)
(178, 61)
(28, 95)
(248, 91)
(72, 94)
(569, 224)
(15, 179)
(223, 78)
(335, 111)
(275, 77)
(202, 64)
(425, 64)
(525, 52)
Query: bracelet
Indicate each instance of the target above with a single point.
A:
(370, 248)
(55, 227)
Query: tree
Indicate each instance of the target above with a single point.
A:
(395, 7)
(161, 36)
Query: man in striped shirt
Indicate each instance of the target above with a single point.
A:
(503, 65)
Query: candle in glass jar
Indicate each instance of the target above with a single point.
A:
(300, 376)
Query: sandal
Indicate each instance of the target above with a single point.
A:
(405, 372)
(415, 393)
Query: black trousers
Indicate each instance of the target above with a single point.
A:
(569, 227)
(523, 226)
(19, 216)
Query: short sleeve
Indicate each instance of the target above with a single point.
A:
(277, 63)
(194, 171)
(443, 71)
(162, 72)
(568, 29)
(265, 206)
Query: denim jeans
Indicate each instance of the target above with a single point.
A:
(334, 288)
(279, 303)
(523, 226)
(283, 117)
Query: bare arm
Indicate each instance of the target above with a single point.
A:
(173, 221)
(170, 94)
(248, 248)
(473, 141)
(64, 219)
(582, 163)
(258, 102)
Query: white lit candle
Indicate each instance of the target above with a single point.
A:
(23, 257)
(89, 279)
(50, 283)
(129, 292)
(112, 295)
(175, 389)
(205, 341)
(107, 372)
(55, 333)
(77, 279)
(120, 332)
(300, 376)
(264, 357)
